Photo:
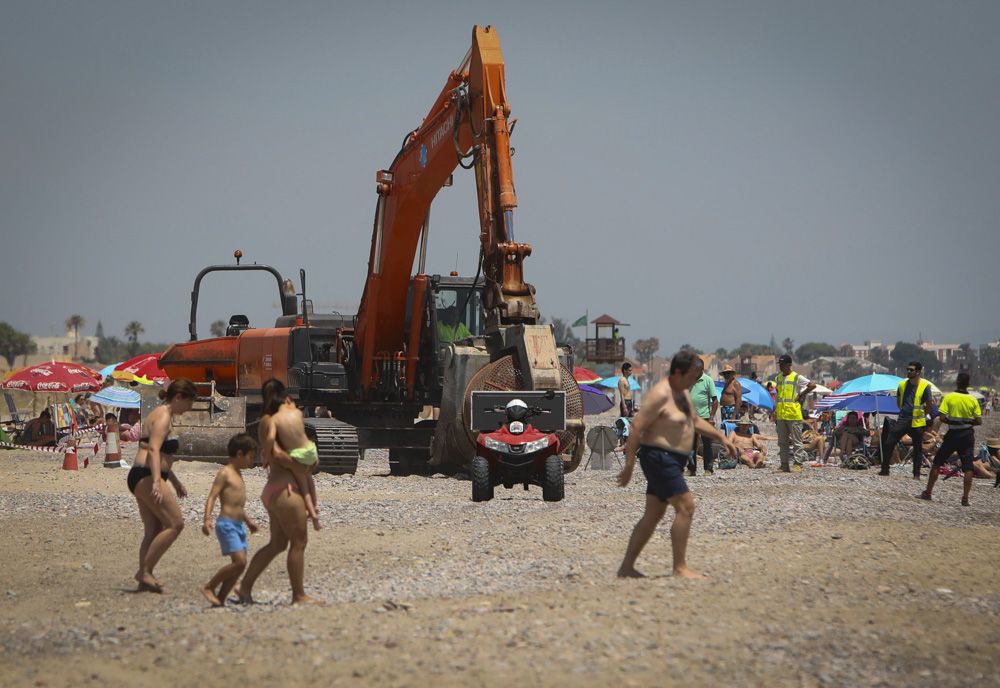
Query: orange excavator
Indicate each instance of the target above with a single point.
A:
(401, 373)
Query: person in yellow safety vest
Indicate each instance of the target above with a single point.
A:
(914, 399)
(961, 411)
(792, 389)
(448, 329)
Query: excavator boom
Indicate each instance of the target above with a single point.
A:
(469, 119)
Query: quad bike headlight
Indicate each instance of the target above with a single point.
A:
(496, 445)
(536, 445)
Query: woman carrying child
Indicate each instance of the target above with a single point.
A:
(285, 503)
(161, 516)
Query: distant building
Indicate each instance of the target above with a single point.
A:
(62, 348)
(864, 351)
(764, 366)
(944, 353)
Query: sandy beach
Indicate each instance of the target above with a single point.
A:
(823, 578)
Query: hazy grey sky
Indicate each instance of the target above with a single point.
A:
(711, 172)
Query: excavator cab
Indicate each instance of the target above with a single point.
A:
(458, 312)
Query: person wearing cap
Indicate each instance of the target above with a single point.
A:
(914, 399)
(626, 405)
(792, 389)
(732, 394)
(960, 411)
(706, 403)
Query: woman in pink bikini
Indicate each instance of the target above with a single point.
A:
(286, 509)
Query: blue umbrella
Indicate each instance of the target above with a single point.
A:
(753, 393)
(613, 383)
(595, 400)
(869, 384)
(107, 370)
(119, 397)
(868, 403)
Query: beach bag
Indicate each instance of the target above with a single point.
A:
(727, 462)
(857, 461)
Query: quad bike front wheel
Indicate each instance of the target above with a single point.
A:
(482, 482)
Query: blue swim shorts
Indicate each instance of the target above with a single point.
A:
(664, 471)
(232, 535)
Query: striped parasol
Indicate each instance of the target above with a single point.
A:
(119, 397)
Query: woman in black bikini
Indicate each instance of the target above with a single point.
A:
(161, 516)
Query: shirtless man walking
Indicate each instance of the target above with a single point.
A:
(662, 436)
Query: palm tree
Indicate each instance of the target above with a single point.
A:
(218, 328)
(75, 322)
(788, 344)
(132, 331)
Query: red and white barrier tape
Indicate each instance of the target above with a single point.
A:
(48, 450)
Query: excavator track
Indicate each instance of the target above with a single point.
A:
(337, 444)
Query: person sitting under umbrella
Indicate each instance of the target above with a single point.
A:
(850, 434)
(752, 452)
(41, 431)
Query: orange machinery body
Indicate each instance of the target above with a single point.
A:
(236, 364)
(469, 117)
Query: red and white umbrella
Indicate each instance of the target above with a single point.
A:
(584, 376)
(145, 367)
(57, 376)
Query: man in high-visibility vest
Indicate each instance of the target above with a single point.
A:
(914, 398)
(792, 390)
(960, 411)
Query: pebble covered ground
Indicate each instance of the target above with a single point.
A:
(824, 577)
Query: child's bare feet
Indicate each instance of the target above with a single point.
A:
(245, 598)
(685, 572)
(210, 596)
(305, 599)
(629, 573)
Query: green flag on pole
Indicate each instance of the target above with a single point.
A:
(580, 322)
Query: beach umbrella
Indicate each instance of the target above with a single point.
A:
(867, 403)
(820, 389)
(584, 376)
(869, 384)
(108, 369)
(612, 382)
(56, 376)
(595, 400)
(119, 397)
(143, 368)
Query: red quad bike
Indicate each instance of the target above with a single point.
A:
(516, 452)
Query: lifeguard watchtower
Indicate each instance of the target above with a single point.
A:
(607, 344)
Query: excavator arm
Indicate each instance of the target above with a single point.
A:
(468, 121)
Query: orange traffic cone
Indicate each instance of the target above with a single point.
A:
(112, 450)
(69, 458)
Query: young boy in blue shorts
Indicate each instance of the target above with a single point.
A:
(231, 526)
